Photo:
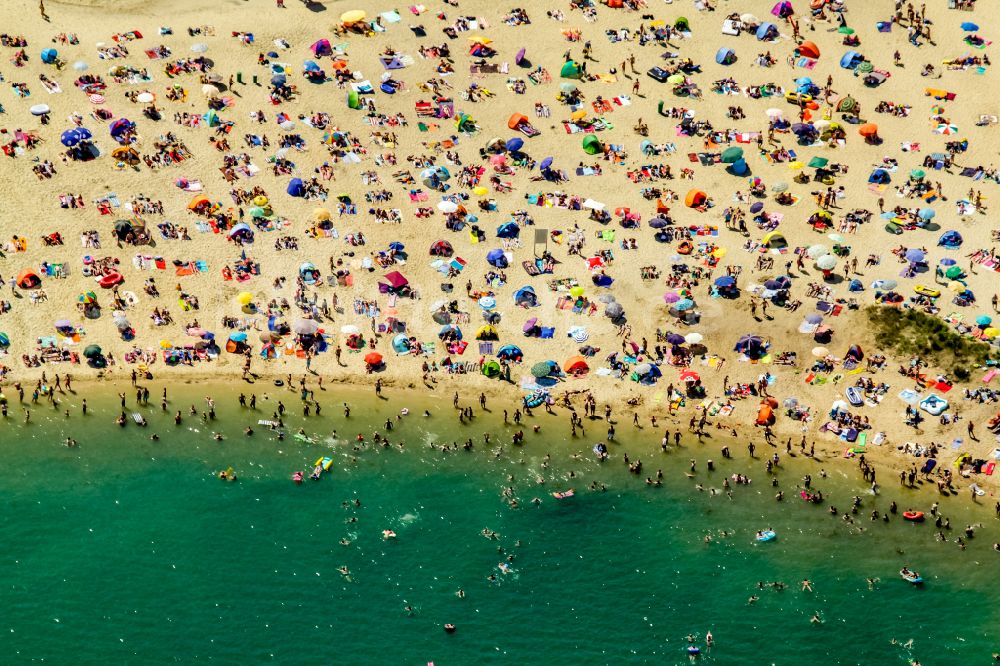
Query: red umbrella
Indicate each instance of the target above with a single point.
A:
(373, 358)
(689, 376)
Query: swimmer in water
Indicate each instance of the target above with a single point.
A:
(816, 619)
(460, 594)
(871, 583)
(807, 585)
(752, 600)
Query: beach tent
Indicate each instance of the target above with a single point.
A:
(782, 9)
(765, 415)
(774, 239)
(526, 297)
(576, 365)
(851, 59)
(353, 100)
(516, 121)
(592, 145)
(508, 230)
(951, 240)
(401, 344)
(487, 332)
(880, 177)
(396, 280)
(465, 123)
(682, 24)
(321, 48)
(491, 369)
(570, 70)
(767, 31)
(510, 353)
(28, 279)
(695, 198)
(809, 50)
(732, 154)
(49, 56)
(296, 187)
(738, 168)
(441, 248)
(725, 56)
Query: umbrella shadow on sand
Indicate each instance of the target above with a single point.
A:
(316, 7)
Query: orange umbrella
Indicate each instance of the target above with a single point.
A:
(576, 364)
(339, 64)
(868, 129)
(373, 358)
(198, 201)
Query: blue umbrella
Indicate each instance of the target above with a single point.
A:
(725, 281)
(71, 137)
(49, 56)
(926, 213)
(658, 223)
(278, 80)
(968, 26)
(546, 163)
(948, 261)
(310, 66)
(757, 207)
(683, 304)
(397, 246)
(515, 143)
(508, 230)
(238, 337)
(984, 320)
(914, 255)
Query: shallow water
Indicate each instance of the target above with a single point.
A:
(128, 550)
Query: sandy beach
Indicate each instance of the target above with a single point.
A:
(395, 182)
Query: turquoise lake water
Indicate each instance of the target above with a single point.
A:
(126, 550)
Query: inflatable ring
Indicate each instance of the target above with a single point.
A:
(686, 247)
(915, 516)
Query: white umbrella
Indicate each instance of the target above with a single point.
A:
(816, 251)
(593, 205)
(305, 326)
(693, 338)
(826, 262)
(145, 98)
(749, 18)
(80, 66)
(349, 329)
(39, 109)
(580, 336)
(209, 90)
(820, 352)
(287, 125)
(774, 113)
(199, 48)
(447, 206)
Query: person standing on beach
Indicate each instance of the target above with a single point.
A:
(41, 10)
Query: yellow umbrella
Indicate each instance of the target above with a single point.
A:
(579, 115)
(479, 39)
(656, 24)
(244, 298)
(955, 285)
(795, 165)
(165, 344)
(353, 16)
(321, 215)
(991, 332)
(260, 200)
(719, 252)
(576, 292)
(479, 190)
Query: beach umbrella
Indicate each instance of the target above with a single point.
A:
(732, 154)
(689, 376)
(984, 320)
(81, 66)
(580, 336)
(349, 329)
(199, 47)
(991, 332)
(373, 358)
(917, 173)
(864, 67)
(884, 284)
(305, 327)
(820, 352)
(614, 310)
(926, 213)
(145, 97)
(447, 206)
(946, 129)
(969, 26)
(780, 187)
(88, 297)
(845, 30)
(836, 238)
(353, 16)
(244, 298)
(542, 369)
(953, 272)
(675, 338)
(774, 113)
(814, 318)
(947, 261)
(684, 304)
(827, 262)
(914, 255)
(92, 351)
(70, 138)
(725, 281)
(675, 79)
(693, 338)
(816, 251)
(487, 302)
(39, 109)
(868, 129)
(4, 340)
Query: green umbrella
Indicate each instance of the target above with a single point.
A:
(846, 104)
(675, 79)
(91, 351)
(844, 30)
(864, 67)
(818, 162)
(731, 155)
(953, 272)
(542, 369)
(4, 340)
(918, 173)
(256, 211)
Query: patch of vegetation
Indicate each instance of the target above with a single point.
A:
(914, 333)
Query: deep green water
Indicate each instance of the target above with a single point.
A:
(126, 550)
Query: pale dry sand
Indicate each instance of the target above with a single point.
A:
(30, 207)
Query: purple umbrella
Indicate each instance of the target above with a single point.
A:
(757, 207)
(519, 57)
(675, 338)
(530, 324)
(914, 255)
(671, 297)
(658, 223)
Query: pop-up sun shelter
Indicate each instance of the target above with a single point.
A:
(28, 279)
(851, 59)
(725, 56)
(767, 31)
(809, 50)
(592, 145)
(570, 70)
